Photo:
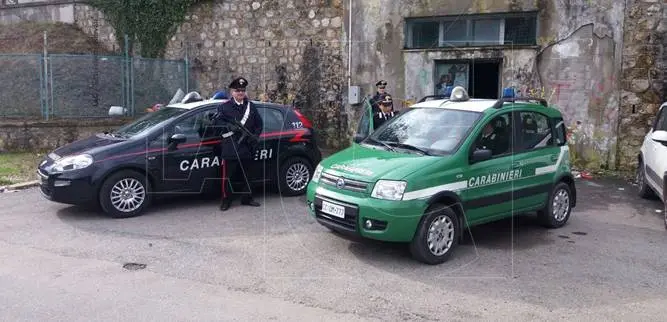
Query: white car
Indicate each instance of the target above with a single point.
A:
(652, 166)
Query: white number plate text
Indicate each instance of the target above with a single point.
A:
(334, 210)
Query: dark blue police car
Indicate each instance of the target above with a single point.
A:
(165, 153)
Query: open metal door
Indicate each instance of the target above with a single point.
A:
(365, 126)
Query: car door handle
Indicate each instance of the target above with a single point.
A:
(554, 157)
(517, 164)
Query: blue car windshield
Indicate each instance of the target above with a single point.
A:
(148, 122)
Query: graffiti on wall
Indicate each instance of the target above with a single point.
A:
(591, 113)
(537, 92)
(553, 92)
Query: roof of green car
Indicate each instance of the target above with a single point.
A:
(484, 105)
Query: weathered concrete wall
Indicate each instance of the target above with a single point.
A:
(579, 67)
(36, 135)
(43, 11)
(378, 36)
(577, 63)
(420, 67)
(578, 74)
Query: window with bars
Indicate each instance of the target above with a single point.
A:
(521, 30)
(472, 30)
(425, 34)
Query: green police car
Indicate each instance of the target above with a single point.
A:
(443, 166)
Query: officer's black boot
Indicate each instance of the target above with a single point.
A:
(224, 205)
(249, 201)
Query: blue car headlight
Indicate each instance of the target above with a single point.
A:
(74, 162)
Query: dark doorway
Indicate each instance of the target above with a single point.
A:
(484, 82)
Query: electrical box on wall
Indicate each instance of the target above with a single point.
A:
(354, 95)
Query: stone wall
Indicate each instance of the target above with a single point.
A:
(92, 22)
(286, 49)
(643, 80)
(37, 135)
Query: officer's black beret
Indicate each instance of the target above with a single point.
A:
(381, 83)
(239, 83)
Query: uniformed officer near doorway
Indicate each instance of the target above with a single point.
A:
(386, 111)
(235, 147)
(381, 90)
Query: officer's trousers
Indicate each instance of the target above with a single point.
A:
(235, 179)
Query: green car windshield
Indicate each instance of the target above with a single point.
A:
(429, 131)
(147, 122)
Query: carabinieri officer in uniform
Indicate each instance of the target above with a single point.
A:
(386, 111)
(380, 92)
(233, 151)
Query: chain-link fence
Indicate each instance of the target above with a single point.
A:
(22, 86)
(86, 86)
(156, 81)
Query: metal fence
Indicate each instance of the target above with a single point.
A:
(85, 86)
(22, 85)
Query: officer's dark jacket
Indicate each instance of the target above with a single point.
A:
(496, 142)
(380, 118)
(229, 146)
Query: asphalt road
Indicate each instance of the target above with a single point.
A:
(276, 263)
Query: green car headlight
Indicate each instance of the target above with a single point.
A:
(389, 190)
(318, 173)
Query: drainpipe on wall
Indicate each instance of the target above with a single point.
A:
(349, 46)
(617, 159)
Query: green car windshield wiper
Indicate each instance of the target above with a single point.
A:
(385, 144)
(411, 147)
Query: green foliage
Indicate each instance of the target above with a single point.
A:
(17, 167)
(150, 23)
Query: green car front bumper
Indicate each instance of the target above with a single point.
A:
(386, 220)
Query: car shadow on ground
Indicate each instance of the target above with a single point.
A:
(523, 232)
(520, 232)
(163, 204)
(606, 194)
(172, 203)
(197, 216)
